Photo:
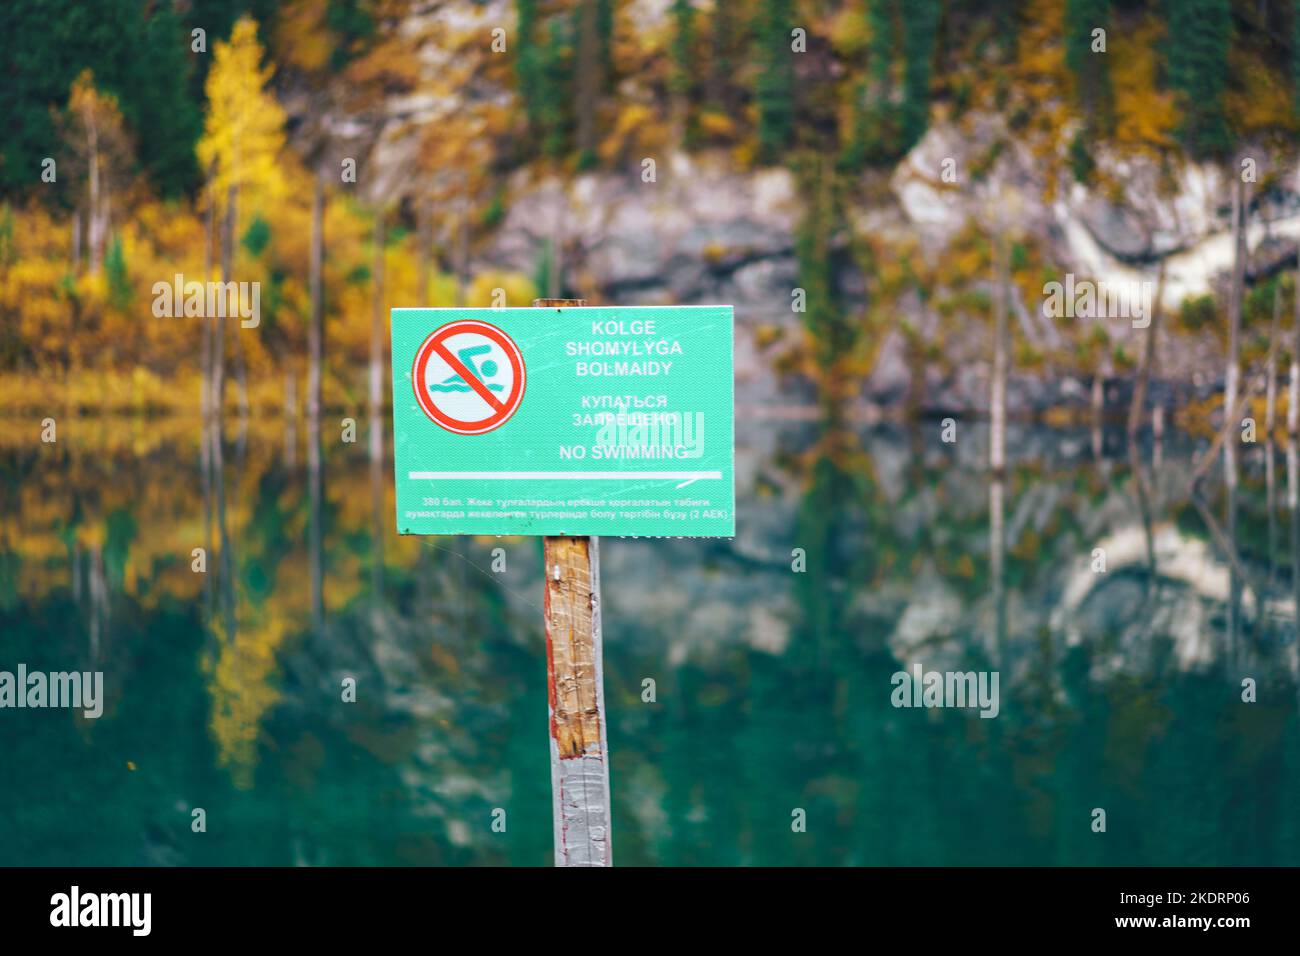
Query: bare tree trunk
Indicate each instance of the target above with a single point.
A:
(1157, 437)
(376, 422)
(235, 327)
(377, 321)
(98, 595)
(1270, 424)
(1293, 398)
(226, 584)
(1231, 385)
(205, 466)
(76, 241)
(75, 268)
(76, 573)
(315, 530)
(377, 513)
(94, 224)
(205, 354)
(998, 396)
(241, 367)
(1144, 509)
(997, 563)
(557, 250)
(424, 213)
(219, 327)
(1098, 411)
(1270, 406)
(315, 335)
(315, 324)
(290, 415)
(1293, 502)
(1233, 375)
(463, 264)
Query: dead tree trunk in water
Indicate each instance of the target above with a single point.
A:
(376, 420)
(1293, 396)
(998, 391)
(1232, 376)
(1231, 384)
(1270, 423)
(1270, 405)
(1293, 503)
(315, 334)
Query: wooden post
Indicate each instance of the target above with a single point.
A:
(576, 689)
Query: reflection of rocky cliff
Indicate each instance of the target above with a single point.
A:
(1191, 583)
(908, 568)
(439, 664)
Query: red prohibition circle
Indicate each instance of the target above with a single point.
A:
(502, 410)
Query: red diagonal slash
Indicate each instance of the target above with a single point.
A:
(470, 378)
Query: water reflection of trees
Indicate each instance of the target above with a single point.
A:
(226, 695)
(1075, 733)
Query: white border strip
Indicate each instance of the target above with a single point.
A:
(563, 475)
(683, 477)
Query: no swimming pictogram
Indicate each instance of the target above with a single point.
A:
(468, 377)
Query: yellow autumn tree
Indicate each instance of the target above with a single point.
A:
(101, 152)
(243, 135)
(241, 148)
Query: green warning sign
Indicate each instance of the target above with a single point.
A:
(580, 421)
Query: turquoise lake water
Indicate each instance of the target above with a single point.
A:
(1119, 690)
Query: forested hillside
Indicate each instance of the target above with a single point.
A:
(149, 139)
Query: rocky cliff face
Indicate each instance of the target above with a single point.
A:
(702, 232)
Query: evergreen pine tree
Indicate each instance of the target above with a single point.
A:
(588, 80)
(873, 134)
(137, 51)
(920, 27)
(682, 43)
(1295, 54)
(1199, 33)
(1091, 78)
(682, 81)
(605, 34)
(774, 88)
(721, 27)
(528, 61)
(854, 153)
(555, 88)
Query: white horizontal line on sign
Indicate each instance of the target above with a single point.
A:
(562, 475)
